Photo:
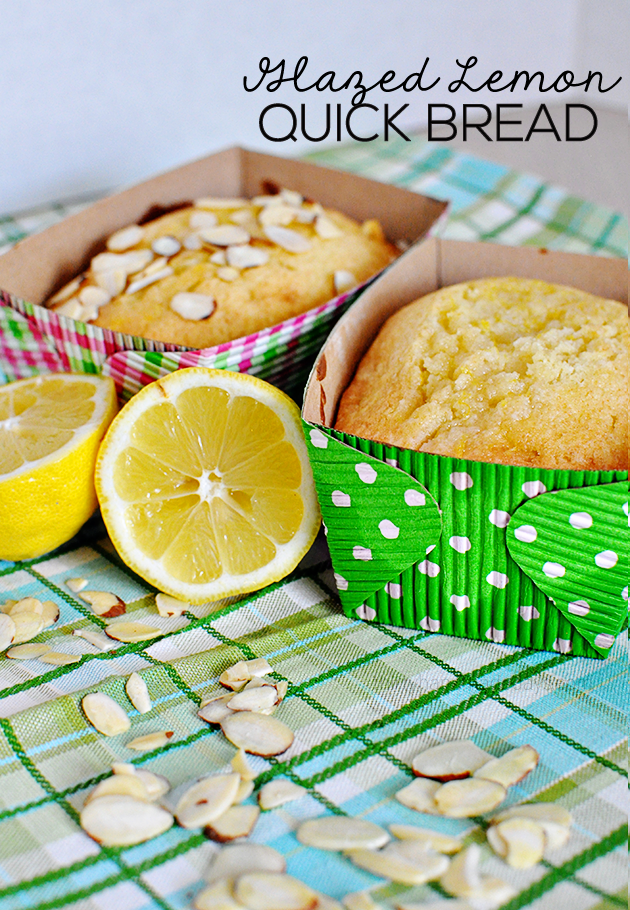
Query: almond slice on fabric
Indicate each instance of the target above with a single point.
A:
(104, 603)
(245, 789)
(132, 631)
(469, 797)
(552, 818)
(274, 891)
(170, 606)
(432, 840)
(138, 694)
(59, 658)
(120, 785)
(420, 795)
(333, 832)
(398, 868)
(27, 626)
(50, 613)
(121, 821)
(524, 840)
(237, 821)
(257, 734)
(278, 792)
(28, 651)
(206, 800)
(213, 712)
(105, 714)
(359, 900)
(76, 584)
(450, 761)
(464, 879)
(100, 641)
(240, 764)
(511, 767)
(150, 741)
(26, 605)
(218, 896)
(254, 699)
(240, 859)
(7, 631)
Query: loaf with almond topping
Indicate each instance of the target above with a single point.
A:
(224, 268)
(507, 370)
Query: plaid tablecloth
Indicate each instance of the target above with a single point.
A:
(362, 698)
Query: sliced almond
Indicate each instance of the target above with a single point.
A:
(77, 584)
(289, 240)
(125, 238)
(50, 613)
(450, 761)
(192, 306)
(220, 202)
(431, 840)
(100, 641)
(140, 283)
(257, 666)
(241, 859)
(130, 263)
(59, 658)
(395, 866)
(156, 785)
(246, 256)
(278, 792)
(224, 235)
(67, 291)
(94, 297)
(27, 652)
(237, 821)
(420, 795)
(254, 699)
(105, 714)
(150, 741)
(463, 879)
(122, 785)
(335, 832)
(104, 603)
(327, 903)
(111, 280)
(27, 605)
(291, 197)
(495, 840)
(200, 220)
(511, 767)
(277, 214)
(524, 840)
(217, 896)
(344, 281)
(192, 242)
(359, 900)
(170, 606)
(121, 821)
(282, 688)
(553, 819)
(274, 891)
(326, 228)
(206, 800)
(138, 694)
(447, 904)
(123, 767)
(240, 764)
(218, 258)
(213, 712)
(7, 606)
(7, 631)
(27, 626)
(132, 631)
(226, 273)
(244, 217)
(245, 789)
(72, 308)
(167, 245)
(257, 734)
(238, 672)
(469, 797)
(256, 682)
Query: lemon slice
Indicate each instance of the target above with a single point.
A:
(50, 430)
(205, 485)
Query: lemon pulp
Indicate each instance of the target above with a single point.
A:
(211, 484)
(50, 430)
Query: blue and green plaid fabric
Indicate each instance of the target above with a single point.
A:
(363, 699)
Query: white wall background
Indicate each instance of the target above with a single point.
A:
(99, 94)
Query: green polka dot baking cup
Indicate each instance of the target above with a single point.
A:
(512, 555)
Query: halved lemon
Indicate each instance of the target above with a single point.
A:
(205, 485)
(50, 430)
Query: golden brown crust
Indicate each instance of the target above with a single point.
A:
(506, 370)
(287, 285)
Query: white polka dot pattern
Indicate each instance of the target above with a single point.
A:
(388, 529)
(461, 480)
(318, 439)
(341, 582)
(496, 635)
(366, 472)
(340, 499)
(528, 612)
(607, 559)
(460, 602)
(497, 579)
(562, 645)
(415, 498)
(533, 488)
(362, 553)
(604, 641)
(553, 569)
(579, 607)
(460, 544)
(365, 612)
(580, 520)
(393, 590)
(430, 625)
(429, 568)
(499, 519)
(526, 533)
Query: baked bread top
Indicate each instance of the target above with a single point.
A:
(507, 370)
(223, 268)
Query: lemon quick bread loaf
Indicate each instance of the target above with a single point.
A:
(506, 370)
(223, 268)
